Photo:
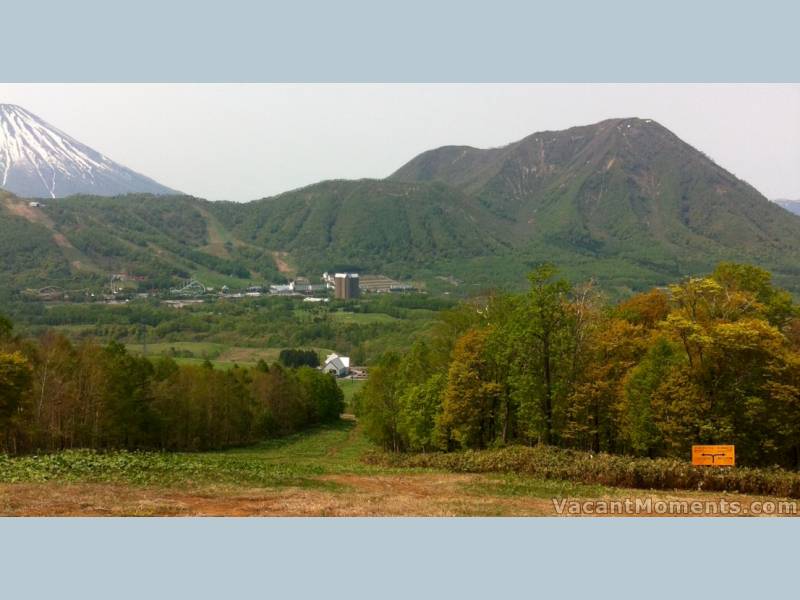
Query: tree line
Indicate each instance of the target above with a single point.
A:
(55, 395)
(294, 357)
(709, 360)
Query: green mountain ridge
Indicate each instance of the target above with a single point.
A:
(80, 241)
(624, 201)
(367, 224)
(624, 188)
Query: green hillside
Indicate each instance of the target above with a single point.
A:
(368, 225)
(626, 192)
(81, 241)
(28, 252)
(624, 201)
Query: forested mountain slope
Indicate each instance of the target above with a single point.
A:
(627, 189)
(80, 241)
(368, 224)
(624, 200)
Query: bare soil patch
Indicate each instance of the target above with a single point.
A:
(22, 209)
(281, 263)
(419, 494)
(36, 215)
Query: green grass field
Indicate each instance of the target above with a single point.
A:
(222, 356)
(200, 349)
(322, 471)
(224, 365)
(301, 460)
(350, 387)
(297, 460)
(362, 318)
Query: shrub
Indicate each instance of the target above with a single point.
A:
(548, 462)
(298, 358)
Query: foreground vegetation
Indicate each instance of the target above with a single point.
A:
(549, 463)
(709, 360)
(555, 391)
(318, 472)
(296, 460)
(326, 470)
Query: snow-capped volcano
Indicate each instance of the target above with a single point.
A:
(39, 161)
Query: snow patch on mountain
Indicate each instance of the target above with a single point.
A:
(792, 206)
(38, 160)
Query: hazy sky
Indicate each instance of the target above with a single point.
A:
(242, 142)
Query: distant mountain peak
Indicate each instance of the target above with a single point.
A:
(793, 206)
(38, 160)
(521, 169)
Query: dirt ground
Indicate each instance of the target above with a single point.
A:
(281, 263)
(426, 494)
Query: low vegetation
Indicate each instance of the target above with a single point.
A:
(296, 460)
(329, 469)
(550, 463)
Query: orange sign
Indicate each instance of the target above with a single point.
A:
(713, 456)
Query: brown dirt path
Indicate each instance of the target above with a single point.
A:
(413, 495)
(281, 263)
(21, 208)
(418, 494)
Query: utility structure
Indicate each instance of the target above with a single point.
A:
(116, 283)
(345, 286)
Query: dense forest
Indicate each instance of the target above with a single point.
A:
(708, 360)
(55, 395)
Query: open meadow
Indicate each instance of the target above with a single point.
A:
(222, 356)
(322, 472)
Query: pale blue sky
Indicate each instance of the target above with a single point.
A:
(242, 142)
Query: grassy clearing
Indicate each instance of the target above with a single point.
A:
(218, 237)
(322, 472)
(351, 318)
(297, 461)
(200, 349)
(349, 388)
(217, 280)
(223, 365)
(222, 356)
(75, 330)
